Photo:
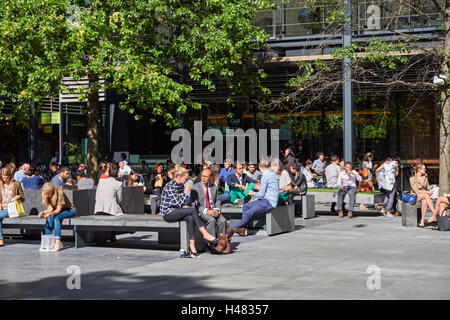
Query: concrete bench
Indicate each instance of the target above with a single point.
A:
(278, 220)
(86, 227)
(307, 203)
(411, 214)
(331, 196)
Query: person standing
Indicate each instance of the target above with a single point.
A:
(10, 191)
(267, 197)
(347, 185)
(332, 172)
(390, 168)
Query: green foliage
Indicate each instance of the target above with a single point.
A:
(74, 152)
(137, 45)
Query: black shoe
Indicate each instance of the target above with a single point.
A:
(212, 243)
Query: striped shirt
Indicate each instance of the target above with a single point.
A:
(172, 197)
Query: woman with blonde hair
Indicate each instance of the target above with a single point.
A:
(10, 191)
(421, 187)
(173, 197)
(58, 207)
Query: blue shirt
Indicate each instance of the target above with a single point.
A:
(318, 165)
(57, 182)
(380, 177)
(223, 175)
(19, 175)
(33, 183)
(269, 188)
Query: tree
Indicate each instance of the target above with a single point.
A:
(135, 46)
(384, 64)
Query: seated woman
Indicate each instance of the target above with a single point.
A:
(299, 185)
(134, 180)
(240, 184)
(32, 181)
(442, 204)
(285, 184)
(421, 187)
(109, 193)
(10, 191)
(58, 207)
(173, 197)
(158, 179)
(309, 175)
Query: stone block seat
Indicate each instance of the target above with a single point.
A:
(278, 220)
(330, 195)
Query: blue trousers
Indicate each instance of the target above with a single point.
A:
(252, 209)
(225, 197)
(55, 222)
(3, 214)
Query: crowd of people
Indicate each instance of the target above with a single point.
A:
(178, 193)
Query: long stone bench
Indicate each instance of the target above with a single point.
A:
(168, 233)
(278, 220)
(89, 230)
(331, 196)
(307, 203)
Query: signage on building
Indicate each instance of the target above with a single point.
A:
(50, 118)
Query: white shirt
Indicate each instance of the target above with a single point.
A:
(210, 198)
(125, 171)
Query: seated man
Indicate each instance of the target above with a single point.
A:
(253, 172)
(84, 183)
(62, 180)
(267, 198)
(347, 184)
(240, 184)
(124, 169)
(332, 172)
(204, 197)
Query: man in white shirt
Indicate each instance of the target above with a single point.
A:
(124, 169)
(347, 184)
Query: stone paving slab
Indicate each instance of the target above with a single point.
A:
(324, 258)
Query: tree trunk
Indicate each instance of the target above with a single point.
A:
(92, 132)
(444, 146)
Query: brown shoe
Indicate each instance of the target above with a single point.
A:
(341, 214)
(397, 214)
(230, 232)
(241, 231)
(350, 214)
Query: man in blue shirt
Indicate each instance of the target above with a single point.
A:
(223, 175)
(267, 198)
(21, 173)
(319, 164)
(60, 180)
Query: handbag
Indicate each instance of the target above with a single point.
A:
(409, 198)
(15, 209)
(443, 223)
(223, 245)
(47, 242)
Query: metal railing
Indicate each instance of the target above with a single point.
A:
(368, 16)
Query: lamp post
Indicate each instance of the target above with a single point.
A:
(347, 87)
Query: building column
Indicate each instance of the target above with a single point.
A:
(347, 89)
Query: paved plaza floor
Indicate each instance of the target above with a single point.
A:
(324, 258)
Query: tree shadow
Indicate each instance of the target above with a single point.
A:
(105, 285)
